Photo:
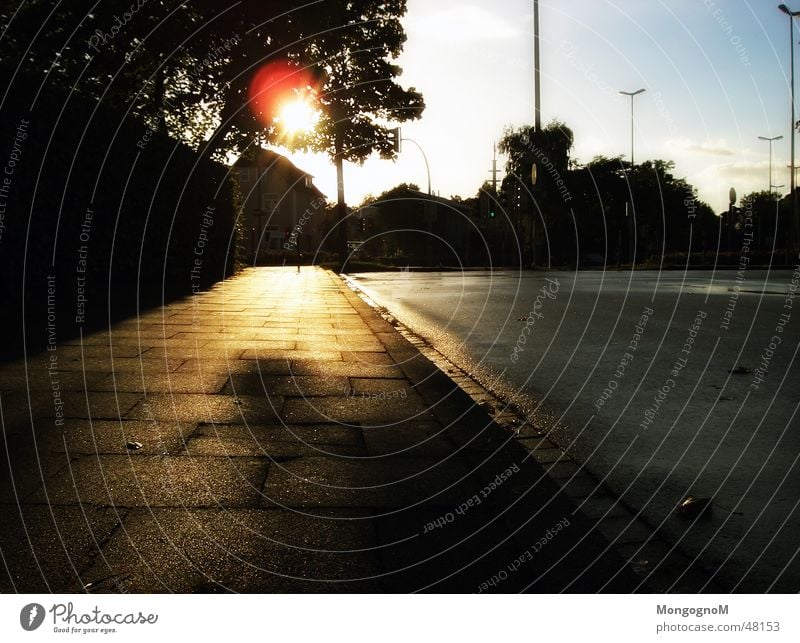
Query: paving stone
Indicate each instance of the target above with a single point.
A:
(408, 439)
(275, 442)
(81, 437)
(300, 385)
(277, 389)
(345, 369)
(387, 482)
(44, 549)
(384, 388)
(23, 474)
(378, 357)
(129, 481)
(211, 367)
(351, 410)
(243, 551)
(219, 409)
(291, 355)
(211, 382)
(91, 404)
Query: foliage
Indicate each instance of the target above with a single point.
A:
(185, 67)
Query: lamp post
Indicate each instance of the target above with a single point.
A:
(428, 215)
(792, 15)
(425, 158)
(536, 69)
(770, 141)
(632, 94)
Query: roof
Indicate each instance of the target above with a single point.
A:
(269, 160)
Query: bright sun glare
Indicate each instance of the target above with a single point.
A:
(298, 116)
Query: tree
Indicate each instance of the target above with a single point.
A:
(547, 201)
(188, 66)
(762, 211)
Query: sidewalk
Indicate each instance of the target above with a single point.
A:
(274, 434)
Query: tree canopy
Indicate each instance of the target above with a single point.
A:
(187, 67)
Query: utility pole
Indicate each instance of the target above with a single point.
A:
(794, 223)
(494, 169)
(537, 68)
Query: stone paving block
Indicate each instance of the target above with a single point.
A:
(385, 388)
(42, 380)
(190, 352)
(231, 345)
(230, 366)
(300, 385)
(219, 409)
(408, 439)
(44, 549)
(249, 407)
(291, 355)
(119, 349)
(391, 482)
(354, 410)
(120, 365)
(275, 442)
(243, 551)
(345, 369)
(82, 437)
(330, 343)
(137, 481)
(378, 357)
(91, 404)
(310, 334)
(23, 474)
(211, 382)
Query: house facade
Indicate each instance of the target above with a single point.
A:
(283, 210)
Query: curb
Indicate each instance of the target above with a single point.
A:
(662, 567)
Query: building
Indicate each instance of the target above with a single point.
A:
(283, 209)
(413, 227)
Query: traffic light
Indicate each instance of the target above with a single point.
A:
(396, 139)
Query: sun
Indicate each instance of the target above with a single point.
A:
(298, 116)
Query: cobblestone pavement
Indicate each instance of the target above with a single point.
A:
(273, 434)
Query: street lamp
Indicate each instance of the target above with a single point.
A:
(425, 158)
(792, 15)
(428, 203)
(536, 70)
(770, 140)
(632, 94)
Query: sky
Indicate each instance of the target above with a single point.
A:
(716, 75)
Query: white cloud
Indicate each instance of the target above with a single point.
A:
(705, 148)
(460, 24)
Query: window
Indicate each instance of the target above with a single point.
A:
(269, 202)
(244, 174)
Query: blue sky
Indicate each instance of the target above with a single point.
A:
(716, 74)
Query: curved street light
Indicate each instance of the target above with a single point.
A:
(770, 140)
(632, 94)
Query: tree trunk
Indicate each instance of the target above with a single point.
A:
(341, 206)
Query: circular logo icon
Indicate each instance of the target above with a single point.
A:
(31, 616)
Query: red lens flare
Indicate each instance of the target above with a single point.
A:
(273, 85)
